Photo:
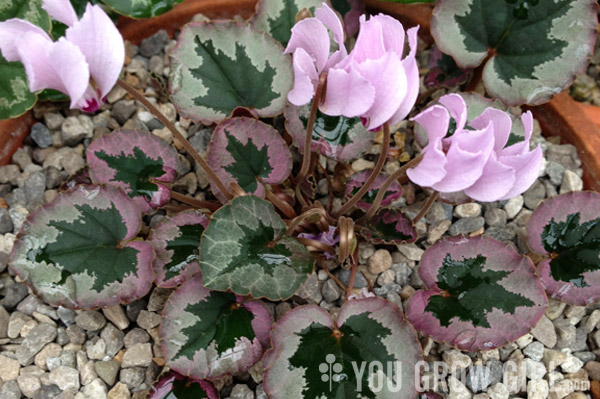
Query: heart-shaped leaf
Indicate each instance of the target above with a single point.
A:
(137, 163)
(15, 97)
(209, 334)
(245, 151)
(337, 137)
(443, 71)
(389, 226)
(566, 228)
(370, 351)
(277, 17)
(482, 294)
(218, 66)
(357, 180)
(176, 242)
(80, 251)
(141, 8)
(245, 249)
(173, 385)
(535, 48)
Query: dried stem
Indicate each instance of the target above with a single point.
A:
(169, 125)
(352, 274)
(196, 203)
(308, 216)
(332, 276)
(426, 207)
(319, 94)
(395, 176)
(378, 167)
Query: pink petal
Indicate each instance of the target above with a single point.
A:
(348, 94)
(412, 78)
(527, 167)
(60, 66)
(502, 125)
(431, 169)
(392, 33)
(521, 147)
(331, 20)
(387, 76)
(475, 140)
(369, 43)
(494, 183)
(457, 107)
(61, 10)
(12, 33)
(310, 35)
(102, 45)
(305, 78)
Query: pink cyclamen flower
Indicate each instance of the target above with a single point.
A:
(474, 159)
(373, 82)
(85, 64)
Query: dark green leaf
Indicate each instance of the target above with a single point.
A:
(249, 163)
(141, 8)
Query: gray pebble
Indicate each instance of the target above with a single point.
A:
(359, 281)
(37, 338)
(90, 320)
(136, 336)
(76, 128)
(41, 135)
(502, 233)
(9, 174)
(122, 110)
(154, 44)
(513, 206)
(565, 332)
(466, 225)
(76, 335)
(50, 391)
(107, 370)
(22, 158)
(134, 308)
(241, 391)
(495, 217)
(67, 316)
(34, 188)
(133, 377)
(10, 390)
(555, 172)
(311, 290)
(479, 378)
(113, 337)
(330, 290)
(571, 182)
(53, 120)
(402, 272)
(14, 295)
(534, 195)
(534, 350)
(158, 298)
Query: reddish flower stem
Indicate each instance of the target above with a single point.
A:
(426, 207)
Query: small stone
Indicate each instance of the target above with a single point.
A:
(241, 391)
(555, 172)
(498, 391)
(154, 44)
(571, 364)
(50, 350)
(359, 281)
(4, 318)
(6, 224)
(119, 391)
(9, 174)
(65, 378)
(76, 128)
(330, 290)
(136, 336)
(437, 230)
(133, 377)
(456, 360)
(53, 120)
(470, 210)
(411, 251)
(513, 206)
(385, 278)
(29, 385)
(10, 390)
(134, 308)
(117, 316)
(537, 389)
(534, 350)
(22, 158)
(37, 338)
(561, 389)
(545, 333)
(571, 182)
(41, 135)
(362, 164)
(138, 355)
(534, 195)
(525, 340)
(34, 188)
(439, 212)
(457, 389)
(479, 378)
(96, 349)
(555, 309)
(158, 298)
(122, 110)
(15, 324)
(311, 291)
(553, 359)
(148, 320)
(29, 305)
(466, 225)
(113, 338)
(566, 333)
(90, 320)
(14, 295)
(9, 368)
(95, 390)
(495, 217)
(592, 321)
(107, 370)
(380, 261)
(535, 370)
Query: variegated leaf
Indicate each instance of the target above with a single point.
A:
(481, 294)
(15, 97)
(389, 226)
(141, 8)
(443, 71)
(176, 242)
(218, 66)
(370, 351)
(277, 17)
(337, 137)
(209, 334)
(173, 385)
(357, 180)
(566, 228)
(245, 249)
(246, 151)
(81, 251)
(137, 163)
(535, 48)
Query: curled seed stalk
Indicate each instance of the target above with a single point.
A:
(312, 215)
(196, 203)
(169, 125)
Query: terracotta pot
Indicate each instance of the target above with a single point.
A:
(12, 134)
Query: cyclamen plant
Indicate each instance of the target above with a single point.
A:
(263, 232)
